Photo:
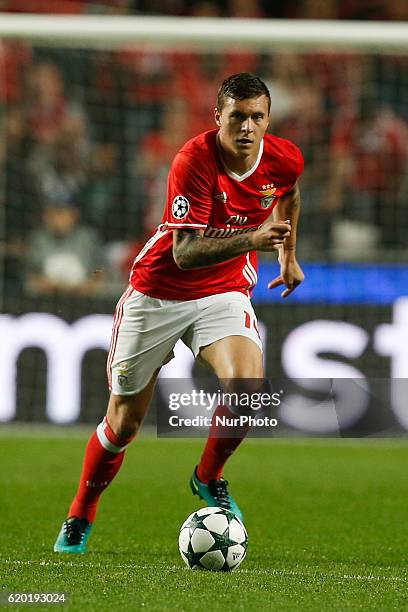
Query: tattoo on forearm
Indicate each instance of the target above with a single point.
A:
(192, 251)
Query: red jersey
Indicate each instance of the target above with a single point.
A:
(203, 194)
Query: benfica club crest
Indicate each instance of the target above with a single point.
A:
(268, 195)
(123, 374)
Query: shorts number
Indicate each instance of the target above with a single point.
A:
(249, 322)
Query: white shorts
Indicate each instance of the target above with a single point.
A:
(146, 329)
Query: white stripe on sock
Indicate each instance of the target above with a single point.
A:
(107, 445)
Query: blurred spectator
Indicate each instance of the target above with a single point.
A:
(58, 130)
(283, 74)
(100, 196)
(390, 75)
(154, 156)
(205, 8)
(146, 84)
(363, 9)
(161, 7)
(209, 70)
(298, 110)
(320, 9)
(338, 76)
(110, 7)
(13, 155)
(151, 167)
(298, 113)
(43, 6)
(244, 9)
(48, 109)
(20, 203)
(60, 170)
(282, 9)
(108, 94)
(368, 165)
(398, 10)
(63, 256)
(15, 59)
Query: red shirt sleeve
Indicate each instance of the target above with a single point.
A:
(300, 163)
(295, 164)
(292, 163)
(189, 192)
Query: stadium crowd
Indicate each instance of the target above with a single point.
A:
(89, 137)
(295, 9)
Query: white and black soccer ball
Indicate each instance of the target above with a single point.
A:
(213, 539)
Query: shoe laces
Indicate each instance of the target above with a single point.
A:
(75, 530)
(219, 490)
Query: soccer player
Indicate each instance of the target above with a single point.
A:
(192, 280)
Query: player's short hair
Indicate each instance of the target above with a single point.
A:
(242, 86)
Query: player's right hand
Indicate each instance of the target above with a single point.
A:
(270, 236)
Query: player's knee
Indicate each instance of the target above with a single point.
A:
(126, 427)
(243, 395)
(244, 371)
(125, 416)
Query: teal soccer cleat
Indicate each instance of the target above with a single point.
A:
(73, 536)
(215, 494)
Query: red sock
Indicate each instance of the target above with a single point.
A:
(103, 457)
(219, 448)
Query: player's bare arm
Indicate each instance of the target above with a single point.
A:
(291, 274)
(192, 250)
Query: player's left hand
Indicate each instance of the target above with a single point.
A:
(291, 275)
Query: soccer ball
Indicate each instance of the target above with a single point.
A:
(213, 539)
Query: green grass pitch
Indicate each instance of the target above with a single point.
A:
(327, 523)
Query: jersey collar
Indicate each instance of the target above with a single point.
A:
(241, 177)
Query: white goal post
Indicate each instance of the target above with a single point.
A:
(207, 33)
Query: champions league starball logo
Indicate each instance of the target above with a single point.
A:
(181, 206)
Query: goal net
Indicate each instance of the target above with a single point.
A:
(93, 110)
